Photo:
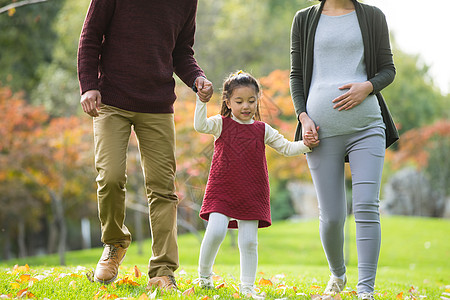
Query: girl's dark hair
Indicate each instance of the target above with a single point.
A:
(233, 81)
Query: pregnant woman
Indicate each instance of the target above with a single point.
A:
(340, 61)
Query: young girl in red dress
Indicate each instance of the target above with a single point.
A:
(237, 192)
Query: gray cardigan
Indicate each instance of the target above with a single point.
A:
(377, 54)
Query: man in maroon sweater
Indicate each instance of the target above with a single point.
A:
(128, 52)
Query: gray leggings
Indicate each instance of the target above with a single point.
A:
(366, 156)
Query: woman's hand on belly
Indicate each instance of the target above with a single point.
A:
(357, 92)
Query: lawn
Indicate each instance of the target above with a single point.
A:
(414, 264)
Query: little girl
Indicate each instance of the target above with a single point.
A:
(237, 192)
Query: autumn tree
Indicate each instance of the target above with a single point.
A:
(53, 156)
(426, 150)
(20, 207)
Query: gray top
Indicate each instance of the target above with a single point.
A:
(338, 60)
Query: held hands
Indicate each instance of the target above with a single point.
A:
(309, 131)
(355, 95)
(90, 102)
(205, 89)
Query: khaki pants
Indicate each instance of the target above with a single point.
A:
(156, 139)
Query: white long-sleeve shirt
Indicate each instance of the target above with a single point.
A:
(213, 125)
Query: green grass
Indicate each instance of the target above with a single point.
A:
(414, 260)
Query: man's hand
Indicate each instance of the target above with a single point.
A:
(205, 89)
(90, 102)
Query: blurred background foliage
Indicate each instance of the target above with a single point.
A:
(47, 176)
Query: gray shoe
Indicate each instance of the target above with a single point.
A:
(335, 285)
(204, 282)
(366, 296)
(249, 291)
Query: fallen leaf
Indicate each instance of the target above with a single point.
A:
(73, 284)
(235, 288)
(20, 269)
(24, 278)
(337, 297)
(97, 295)
(314, 287)
(189, 292)
(127, 280)
(103, 288)
(221, 285)
(137, 272)
(22, 292)
(236, 296)
(205, 298)
(399, 296)
(143, 297)
(14, 285)
(265, 282)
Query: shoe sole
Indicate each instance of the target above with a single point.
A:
(105, 281)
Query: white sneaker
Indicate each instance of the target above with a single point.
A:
(335, 285)
(204, 282)
(249, 291)
(366, 296)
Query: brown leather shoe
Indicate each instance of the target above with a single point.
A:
(108, 265)
(164, 282)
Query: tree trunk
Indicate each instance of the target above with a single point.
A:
(52, 234)
(7, 241)
(86, 233)
(21, 238)
(58, 210)
(138, 228)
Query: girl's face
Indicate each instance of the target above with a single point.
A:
(243, 102)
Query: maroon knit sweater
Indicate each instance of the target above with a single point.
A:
(129, 51)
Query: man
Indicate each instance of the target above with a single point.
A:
(128, 52)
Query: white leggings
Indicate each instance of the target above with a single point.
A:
(247, 241)
(366, 155)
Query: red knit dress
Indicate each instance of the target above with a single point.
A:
(238, 183)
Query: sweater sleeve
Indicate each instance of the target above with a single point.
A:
(385, 69)
(184, 63)
(278, 142)
(94, 28)
(202, 124)
(296, 73)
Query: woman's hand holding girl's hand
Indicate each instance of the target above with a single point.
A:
(355, 95)
(204, 89)
(309, 131)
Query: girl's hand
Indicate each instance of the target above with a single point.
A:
(205, 89)
(355, 95)
(309, 131)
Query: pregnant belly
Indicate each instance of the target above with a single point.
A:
(334, 122)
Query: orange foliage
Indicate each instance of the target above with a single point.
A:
(416, 145)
